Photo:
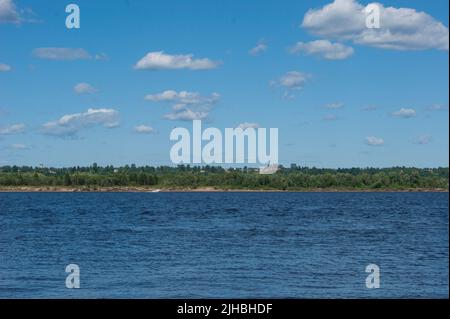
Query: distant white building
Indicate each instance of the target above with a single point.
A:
(270, 169)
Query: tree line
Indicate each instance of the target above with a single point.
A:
(186, 176)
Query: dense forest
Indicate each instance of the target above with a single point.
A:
(191, 177)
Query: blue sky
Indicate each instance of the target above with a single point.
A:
(110, 92)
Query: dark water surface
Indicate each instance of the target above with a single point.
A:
(177, 245)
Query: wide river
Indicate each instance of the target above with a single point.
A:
(210, 245)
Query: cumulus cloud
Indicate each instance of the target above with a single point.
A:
(424, 139)
(323, 49)
(260, 47)
(400, 28)
(189, 112)
(71, 124)
(9, 12)
(84, 88)
(247, 125)
(405, 113)
(183, 97)
(144, 129)
(13, 129)
(159, 61)
(61, 54)
(4, 67)
(334, 106)
(186, 114)
(374, 141)
(293, 80)
(290, 81)
(187, 105)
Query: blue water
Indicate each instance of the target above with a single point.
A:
(205, 245)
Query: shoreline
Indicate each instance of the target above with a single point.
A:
(59, 189)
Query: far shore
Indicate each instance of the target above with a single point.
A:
(130, 189)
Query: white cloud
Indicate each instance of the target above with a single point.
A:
(160, 60)
(84, 88)
(71, 124)
(400, 28)
(183, 97)
(405, 113)
(374, 141)
(4, 67)
(323, 49)
(334, 106)
(188, 105)
(9, 12)
(144, 129)
(186, 114)
(260, 47)
(292, 80)
(247, 125)
(13, 129)
(18, 147)
(61, 54)
(168, 95)
(424, 139)
(178, 106)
